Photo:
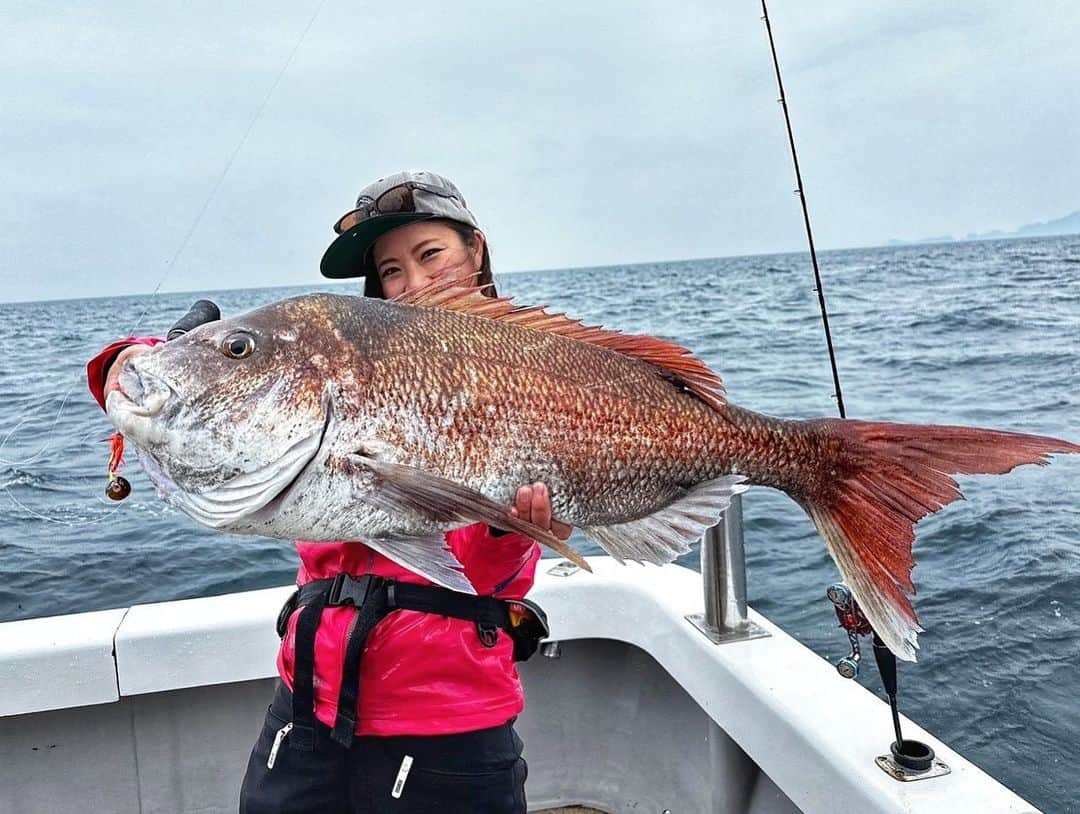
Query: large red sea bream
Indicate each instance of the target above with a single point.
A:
(327, 417)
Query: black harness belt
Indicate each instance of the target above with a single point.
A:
(375, 597)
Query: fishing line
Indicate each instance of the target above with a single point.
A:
(228, 165)
(171, 264)
(68, 523)
(48, 439)
(112, 508)
(806, 214)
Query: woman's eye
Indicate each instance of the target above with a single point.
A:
(429, 253)
(238, 345)
(389, 271)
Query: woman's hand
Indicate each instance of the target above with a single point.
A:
(112, 380)
(533, 505)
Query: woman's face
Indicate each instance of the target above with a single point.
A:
(410, 257)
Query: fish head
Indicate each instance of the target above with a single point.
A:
(233, 413)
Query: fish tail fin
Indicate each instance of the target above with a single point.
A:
(875, 481)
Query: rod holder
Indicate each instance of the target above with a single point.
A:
(723, 575)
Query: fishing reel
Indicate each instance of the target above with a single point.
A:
(854, 623)
(907, 759)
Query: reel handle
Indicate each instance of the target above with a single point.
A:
(854, 624)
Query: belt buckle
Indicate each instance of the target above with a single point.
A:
(286, 613)
(350, 590)
(488, 633)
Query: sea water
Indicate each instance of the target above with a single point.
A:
(982, 333)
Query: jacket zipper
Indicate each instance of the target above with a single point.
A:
(278, 739)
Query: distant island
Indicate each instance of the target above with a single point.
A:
(1068, 225)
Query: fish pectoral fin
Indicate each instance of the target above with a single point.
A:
(429, 556)
(400, 488)
(663, 535)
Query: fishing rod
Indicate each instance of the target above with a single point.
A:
(806, 215)
(913, 756)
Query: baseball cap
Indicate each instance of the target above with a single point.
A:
(393, 201)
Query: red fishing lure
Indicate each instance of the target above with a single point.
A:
(118, 487)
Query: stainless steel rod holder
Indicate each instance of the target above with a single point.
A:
(723, 570)
(723, 574)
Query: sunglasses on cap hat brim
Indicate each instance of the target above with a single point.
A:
(394, 201)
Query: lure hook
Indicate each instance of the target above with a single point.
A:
(118, 487)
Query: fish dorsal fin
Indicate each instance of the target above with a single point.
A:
(670, 360)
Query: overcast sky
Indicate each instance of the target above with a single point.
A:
(582, 133)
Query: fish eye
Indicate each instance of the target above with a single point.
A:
(238, 345)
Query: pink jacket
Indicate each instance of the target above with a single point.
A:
(422, 674)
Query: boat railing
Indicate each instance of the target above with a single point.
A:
(723, 575)
(153, 707)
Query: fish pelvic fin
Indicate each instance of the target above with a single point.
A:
(882, 480)
(429, 556)
(401, 488)
(666, 534)
(671, 361)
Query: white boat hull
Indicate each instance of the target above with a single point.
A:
(155, 708)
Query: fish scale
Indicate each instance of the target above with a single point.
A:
(390, 422)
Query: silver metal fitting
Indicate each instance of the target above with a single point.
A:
(848, 666)
(839, 594)
(551, 650)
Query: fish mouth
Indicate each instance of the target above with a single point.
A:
(140, 399)
(255, 497)
(147, 409)
(145, 392)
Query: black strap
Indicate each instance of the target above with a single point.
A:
(443, 601)
(303, 702)
(374, 598)
(371, 609)
(487, 612)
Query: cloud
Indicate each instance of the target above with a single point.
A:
(582, 134)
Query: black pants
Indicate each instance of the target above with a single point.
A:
(479, 772)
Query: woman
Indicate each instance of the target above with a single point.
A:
(432, 728)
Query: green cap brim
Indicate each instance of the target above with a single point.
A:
(344, 257)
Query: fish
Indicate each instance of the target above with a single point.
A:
(335, 417)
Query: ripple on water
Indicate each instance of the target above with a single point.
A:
(973, 333)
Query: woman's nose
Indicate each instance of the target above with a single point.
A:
(416, 276)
